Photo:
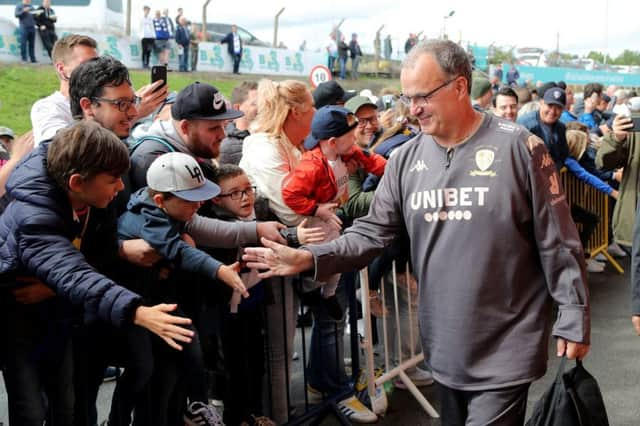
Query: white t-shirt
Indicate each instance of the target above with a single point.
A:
(148, 31)
(236, 43)
(341, 174)
(48, 115)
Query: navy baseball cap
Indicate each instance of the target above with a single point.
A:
(202, 101)
(330, 121)
(555, 96)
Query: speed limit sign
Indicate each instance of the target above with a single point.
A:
(319, 74)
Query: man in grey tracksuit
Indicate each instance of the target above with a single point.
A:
(492, 244)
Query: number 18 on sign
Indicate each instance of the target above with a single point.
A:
(319, 74)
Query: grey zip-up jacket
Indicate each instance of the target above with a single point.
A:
(205, 231)
(492, 245)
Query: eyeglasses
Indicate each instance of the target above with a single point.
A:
(421, 100)
(238, 195)
(362, 122)
(123, 105)
(352, 120)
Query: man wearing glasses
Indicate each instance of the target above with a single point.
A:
(368, 130)
(492, 244)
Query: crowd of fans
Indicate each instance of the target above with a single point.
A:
(129, 254)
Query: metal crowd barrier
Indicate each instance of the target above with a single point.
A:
(376, 384)
(303, 412)
(589, 198)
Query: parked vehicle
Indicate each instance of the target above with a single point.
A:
(216, 31)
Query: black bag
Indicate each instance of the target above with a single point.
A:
(573, 399)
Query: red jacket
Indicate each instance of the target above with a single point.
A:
(312, 181)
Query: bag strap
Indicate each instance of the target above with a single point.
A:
(151, 138)
(561, 369)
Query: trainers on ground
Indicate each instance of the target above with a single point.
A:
(616, 251)
(201, 414)
(419, 378)
(601, 258)
(356, 411)
(594, 266)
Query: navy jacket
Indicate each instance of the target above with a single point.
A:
(143, 219)
(36, 231)
(27, 20)
(554, 136)
(229, 40)
(182, 36)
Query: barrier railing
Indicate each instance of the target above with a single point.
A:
(376, 384)
(589, 198)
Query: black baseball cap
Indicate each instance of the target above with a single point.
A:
(202, 101)
(331, 93)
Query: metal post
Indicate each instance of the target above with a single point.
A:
(204, 20)
(128, 22)
(378, 44)
(275, 28)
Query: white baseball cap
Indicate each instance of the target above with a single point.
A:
(180, 174)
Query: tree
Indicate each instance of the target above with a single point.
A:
(628, 57)
(498, 55)
(596, 56)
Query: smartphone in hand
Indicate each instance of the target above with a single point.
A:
(636, 124)
(159, 72)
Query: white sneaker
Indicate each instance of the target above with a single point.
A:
(419, 377)
(356, 411)
(594, 266)
(616, 251)
(201, 414)
(601, 258)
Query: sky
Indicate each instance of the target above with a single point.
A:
(603, 25)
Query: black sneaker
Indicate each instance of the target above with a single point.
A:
(305, 320)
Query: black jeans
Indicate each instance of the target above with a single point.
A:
(236, 62)
(588, 220)
(38, 364)
(48, 38)
(177, 376)
(100, 345)
(243, 344)
(147, 47)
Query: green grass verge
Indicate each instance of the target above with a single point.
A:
(22, 85)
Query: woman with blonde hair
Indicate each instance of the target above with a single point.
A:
(269, 154)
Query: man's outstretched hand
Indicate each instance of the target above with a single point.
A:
(276, 259)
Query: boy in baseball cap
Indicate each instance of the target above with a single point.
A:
(320, 182)
(158, 213)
